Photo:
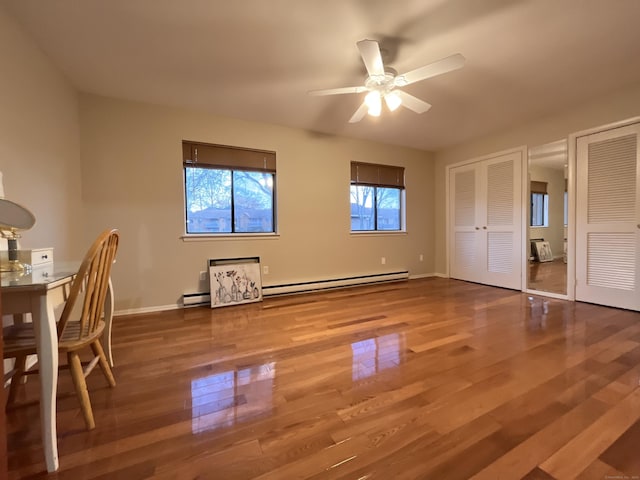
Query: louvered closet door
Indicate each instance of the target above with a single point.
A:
(608, 218)
(466, 237)
(485, 221)
(502, 221)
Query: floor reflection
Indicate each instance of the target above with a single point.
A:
(538, 311)
(376, 354)
(224, 399)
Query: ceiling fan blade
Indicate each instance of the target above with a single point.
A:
(413, 103)
(338, 91)
(433, 69)
(360, 112)
(370, 52)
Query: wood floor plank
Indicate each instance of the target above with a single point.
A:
(581, 451)
(624, 453)
(599, 469)
(528, 454)
(408, 450)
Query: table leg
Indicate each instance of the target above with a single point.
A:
(108, 318)
(18, 319)
(44, 325)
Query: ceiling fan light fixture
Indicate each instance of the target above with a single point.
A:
(392, 100)
(374, 103)
(385, 82)
(400, 81)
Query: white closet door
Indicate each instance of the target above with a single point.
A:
(485, 221)
(503, 221)
(608, 218)
(465, 233)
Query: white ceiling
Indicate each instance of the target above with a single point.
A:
(257, 59)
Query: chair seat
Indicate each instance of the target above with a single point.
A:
(21, 340)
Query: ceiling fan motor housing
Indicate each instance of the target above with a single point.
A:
(382, 83)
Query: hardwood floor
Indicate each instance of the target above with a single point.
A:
(431, 378)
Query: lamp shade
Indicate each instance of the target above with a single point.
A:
(13, 215)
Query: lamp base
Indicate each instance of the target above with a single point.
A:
(15, 266)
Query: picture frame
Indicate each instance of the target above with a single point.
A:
(543, 251)
(234, 281)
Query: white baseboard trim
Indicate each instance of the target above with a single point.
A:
(159, 308)
(421, 275)
(440, 275)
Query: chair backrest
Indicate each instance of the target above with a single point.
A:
(92, 279)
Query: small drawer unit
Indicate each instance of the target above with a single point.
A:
(36, 257)
(41, 272)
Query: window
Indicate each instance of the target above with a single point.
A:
(539, 205)
(539, 210)
(377, 197)
(228, 189)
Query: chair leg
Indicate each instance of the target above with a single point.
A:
(98, 351)
(20, 366)
(81, 389)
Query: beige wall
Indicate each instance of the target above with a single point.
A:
(132, 180)
(39, 142)
(603, 110)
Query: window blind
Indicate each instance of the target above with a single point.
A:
(538, 187)
(377, 175)
(222, 156)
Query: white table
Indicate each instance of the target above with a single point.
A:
(39, 293)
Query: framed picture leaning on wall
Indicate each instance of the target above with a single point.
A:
(543, 250)
(235, 280)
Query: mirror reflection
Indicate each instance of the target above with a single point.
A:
(373, 355)
(548, 217)
(223, 399)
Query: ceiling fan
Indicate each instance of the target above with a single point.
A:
(384, 83)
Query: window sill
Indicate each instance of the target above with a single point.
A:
(206, 237)
(379, 233)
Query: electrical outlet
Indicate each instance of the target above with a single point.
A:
(203, 276)
(265, 269)
(421, 257)
(383, 260)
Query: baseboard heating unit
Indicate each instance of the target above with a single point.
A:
(204, 298)
(195, 299)
(312, 286)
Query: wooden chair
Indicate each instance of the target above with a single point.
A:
(89, 287)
